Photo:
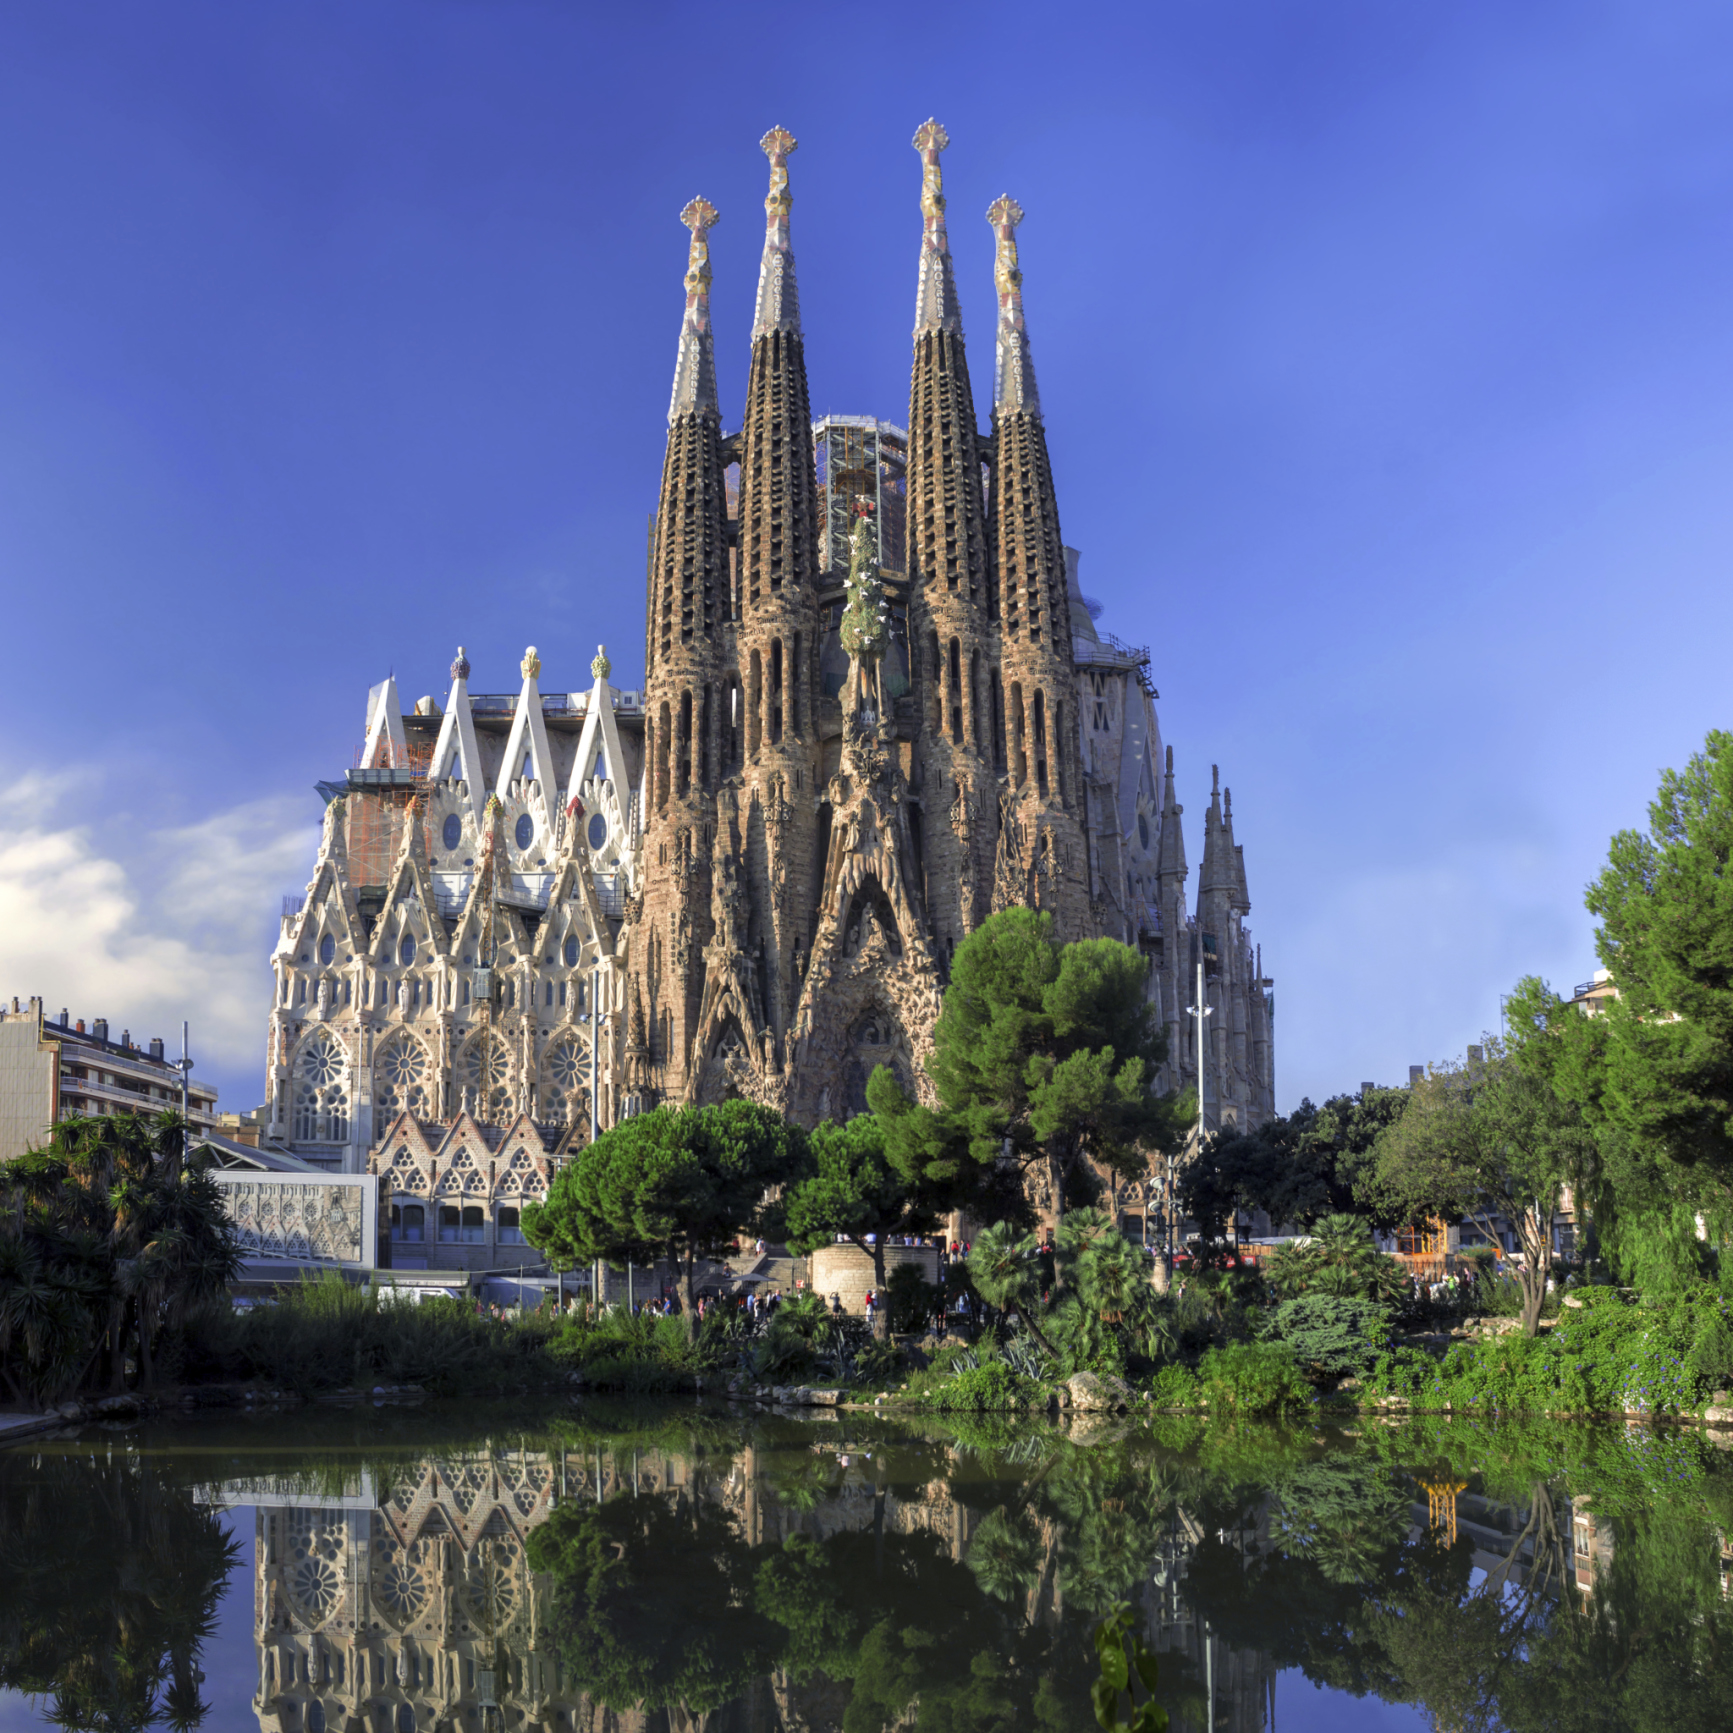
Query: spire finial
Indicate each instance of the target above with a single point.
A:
(1215, 780)
(778, 301)
(1014, 376)
(531, 665)
(695, 366)
(600, 666)
(1170, 761)
(936, 294)
(460, 668)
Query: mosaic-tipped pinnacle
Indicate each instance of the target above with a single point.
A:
(779, 141)
(699, 215)
(931, 135)
(1004, 209)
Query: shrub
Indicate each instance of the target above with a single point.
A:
(993, 1385)
(1252, 1378)
(1173, 1386)
(1331, 1336)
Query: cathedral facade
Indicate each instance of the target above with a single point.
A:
(876, 708)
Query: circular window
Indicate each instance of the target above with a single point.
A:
(327, 950)
(406, 951)
(571, 953)
(453, 832)
(1143, 830)
(526, 830)
(598, 830)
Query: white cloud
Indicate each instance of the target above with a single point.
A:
(181, 927)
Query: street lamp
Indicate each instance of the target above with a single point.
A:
(1199, 1010)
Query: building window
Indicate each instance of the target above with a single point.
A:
(406, 950)
(327, 950)
(474, 1225)
(510, 1233)
(402, 1072)
(571, 952)
(598, 831)
(550, 993)
(450, 1223)
(452, 835)
(526, 830)
(321, 1092)
(409, 1223)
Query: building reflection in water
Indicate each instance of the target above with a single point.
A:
(415, 1606)
(412, 1602)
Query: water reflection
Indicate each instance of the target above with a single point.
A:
(671, 1569)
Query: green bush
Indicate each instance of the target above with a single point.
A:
(328, 1334)
(1174, 1386)
(1332, 1336)
(1252, 1378)
(990, 1386)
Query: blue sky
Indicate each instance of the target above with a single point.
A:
(1385, 349)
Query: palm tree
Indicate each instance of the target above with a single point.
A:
(109, 1237)
(1003, 1266)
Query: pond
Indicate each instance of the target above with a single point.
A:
(686, 1565)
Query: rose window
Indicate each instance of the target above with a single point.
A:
(486, 1078)
(321, 1092)
(402, 1085)
(315, 1573)
(565, 1064)
(400, 1582)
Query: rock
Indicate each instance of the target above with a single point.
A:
(1717, 1414)
(1090, 1390)
(112, 1406)
(824, 1398)
(70, 1410)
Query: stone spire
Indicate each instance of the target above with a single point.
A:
(1239, 897)
(1170, 856)
(936, 306)
(1029, 555)
(777, 641)
(1216, 873)
(959, 704)
(1014, 372)
(695, 368)
(778, 300)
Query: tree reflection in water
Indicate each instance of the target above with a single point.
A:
(657, 1571)
(110, 1576)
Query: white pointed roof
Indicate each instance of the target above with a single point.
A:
(529, 739)
(456, 754)
(387, 748)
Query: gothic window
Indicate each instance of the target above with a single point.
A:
(406, 950)
(571, 950)
(1143, 830)
(450, 1224)
(315, 1566)
(474, 1225)
(563, 1072)
(409, 1223)
(452, 834)
(526, 830)
(321, 1093)
(402, 1072)
(327, 950)
(485, 1074)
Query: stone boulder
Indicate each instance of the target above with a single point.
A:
(1093, 1391)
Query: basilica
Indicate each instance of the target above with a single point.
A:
(876, 708)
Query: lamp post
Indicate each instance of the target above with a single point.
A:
(1200, 1010)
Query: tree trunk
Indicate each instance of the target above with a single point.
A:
(117, 1346)
(1536, 1233)
(146, 1371)
(1029, 1324)
(688, 1300)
